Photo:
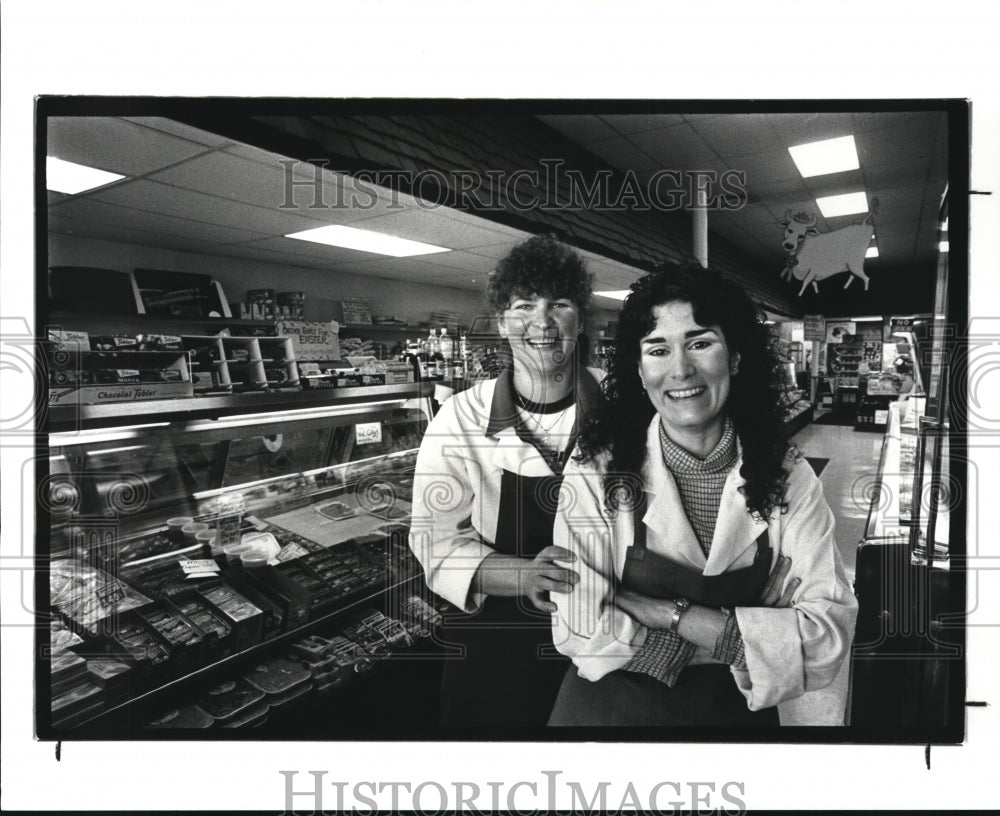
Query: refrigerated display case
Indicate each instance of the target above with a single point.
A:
(195, 547)
(908, 665)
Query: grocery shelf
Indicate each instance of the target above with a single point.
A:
(67, 418)
(120, 720)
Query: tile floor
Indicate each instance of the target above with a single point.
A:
(848, 478)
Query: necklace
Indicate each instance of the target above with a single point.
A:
(543, 433)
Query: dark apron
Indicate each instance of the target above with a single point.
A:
(704, 695)
(510, 674)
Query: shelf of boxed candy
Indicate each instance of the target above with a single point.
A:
(308, 669)
(147, 635)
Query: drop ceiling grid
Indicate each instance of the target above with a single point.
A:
(218, 187)
(429, 227)
(97, 212)
(116, 145)
(155, 197)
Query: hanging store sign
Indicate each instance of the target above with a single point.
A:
(814, 328)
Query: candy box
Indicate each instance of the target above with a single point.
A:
(277, 677)
(244, 618)
(186, 641)
(215, 628)
(189, 716)
(227, 700)
(78, 703)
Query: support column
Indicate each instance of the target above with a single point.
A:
(699, 224)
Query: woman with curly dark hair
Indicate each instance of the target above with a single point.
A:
(485, 491)
(711, 591)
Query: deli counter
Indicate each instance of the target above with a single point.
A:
(221, 566)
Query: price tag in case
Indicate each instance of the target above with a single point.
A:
(366, 433)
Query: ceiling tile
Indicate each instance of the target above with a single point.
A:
(94, 211)
(310, 249)
(678, 147)
(177, 129)
(801, 128)
(737, 134)
(481, 262)
(913, 120)
(115, 145)
(627, 124)
(121, 234)
(776, 192)
(430, 227)
(232, 177)
(162, 198)
(766, 167)
(892, 173)
(582, 128)
(897, 144)
(623, 155)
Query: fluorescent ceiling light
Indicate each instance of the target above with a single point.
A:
(943, 246)
(846, 204)
(872, 252)
(614, 294)
(828, 156)
(366, 241)
(70, 178)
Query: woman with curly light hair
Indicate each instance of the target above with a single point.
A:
(485, 490)
(711, 591)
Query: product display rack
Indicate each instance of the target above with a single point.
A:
(117, 478)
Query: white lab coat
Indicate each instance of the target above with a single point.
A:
(456, 484)
(793, 654)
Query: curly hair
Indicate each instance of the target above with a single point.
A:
(544, 266)
(618, 426)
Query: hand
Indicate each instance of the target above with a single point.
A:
(542, 575)
(650, 612)
(772, 595)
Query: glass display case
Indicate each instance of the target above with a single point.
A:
(907, 663)
(208, 565)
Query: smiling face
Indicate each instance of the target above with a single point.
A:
(685, 369)
(542, 332)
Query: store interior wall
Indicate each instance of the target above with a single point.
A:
(412, 302)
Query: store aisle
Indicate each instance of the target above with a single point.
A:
(848, 478)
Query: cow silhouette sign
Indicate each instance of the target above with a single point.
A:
(814, 256)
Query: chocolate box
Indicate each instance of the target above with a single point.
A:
(244, 618)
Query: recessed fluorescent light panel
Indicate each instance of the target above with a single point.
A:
(71, 178)
(366, 241)
(872, 252)
(828, 156)
(846, 204)
(614, 294)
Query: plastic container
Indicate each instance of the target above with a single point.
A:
(234, 550)
(175, 527)
(265, 542)
(254, 557)
(191, 530)
(208, 536)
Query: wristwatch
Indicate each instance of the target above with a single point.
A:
(680, 607)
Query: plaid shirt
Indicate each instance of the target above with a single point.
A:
(700, 483)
